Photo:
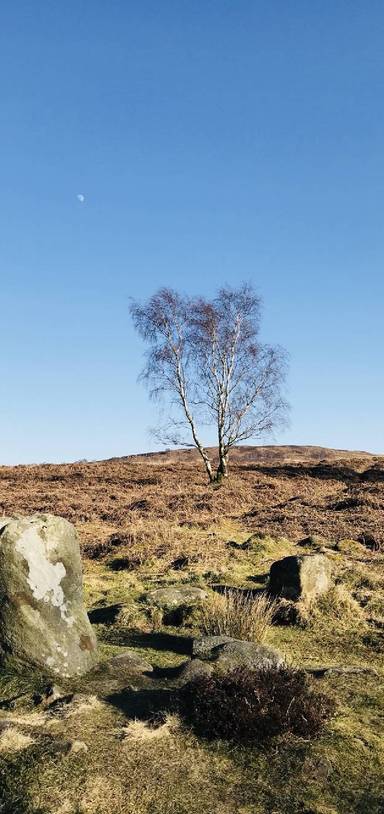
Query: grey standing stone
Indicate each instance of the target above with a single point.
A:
(42, 617)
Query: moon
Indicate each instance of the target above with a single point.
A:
(80, 197)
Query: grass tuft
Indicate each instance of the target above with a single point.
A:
(238, 614)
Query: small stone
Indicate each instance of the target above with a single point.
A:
(77, 747)
(129, 662)
(195, 669)
(176, 597)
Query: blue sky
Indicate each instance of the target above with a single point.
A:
(214, 141)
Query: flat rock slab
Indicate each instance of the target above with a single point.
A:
(42, 617)
(127, 663)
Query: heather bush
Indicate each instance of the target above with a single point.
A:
(249, 706)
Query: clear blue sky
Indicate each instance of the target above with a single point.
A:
(214, 141)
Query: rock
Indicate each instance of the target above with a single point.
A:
(42, 616)
(194, 669)
(127, 663)
(50, 694)
(176, 603)
(315, 541)
(287, 613)
(183, 596)
(223, 653)
(203, 648)
(78, 746)
(236, 653)
(300, 578)
(220, 654)
(115, 674)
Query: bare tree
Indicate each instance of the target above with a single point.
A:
(206, 355)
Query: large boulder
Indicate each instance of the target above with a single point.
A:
(42, 617)
(302, 578)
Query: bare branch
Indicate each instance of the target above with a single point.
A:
(206, 357)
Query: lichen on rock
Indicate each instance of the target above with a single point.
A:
(42, 617)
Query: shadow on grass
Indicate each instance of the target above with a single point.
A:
(17, 774)
(157, 641)
(322, 471)
(145, 705)
(104, 615)
(260, 578)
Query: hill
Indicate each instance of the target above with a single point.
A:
(266, 454)
(152, 521)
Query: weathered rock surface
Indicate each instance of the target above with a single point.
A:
(221, 654)
(195, 669)
(300, 578)
(127, 663)
(183, 596)
(42, 616)
(203, 648)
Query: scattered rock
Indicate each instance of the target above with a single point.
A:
(287, 613)
(113, 675)
(221, 653)
(194, 669)
(127, 663)
(315, 541)
(203, 648)
(77, 747)
(300, 578)
(182, 596)
(42, 617)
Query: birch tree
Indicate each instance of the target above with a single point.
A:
(205, 356)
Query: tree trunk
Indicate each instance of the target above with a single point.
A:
(207, 463)
(222, 469)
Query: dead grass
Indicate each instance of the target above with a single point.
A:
(147, 502)
(337, 606)
(238, 614)
(160, 514)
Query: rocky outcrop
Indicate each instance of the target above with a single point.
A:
(42, 617)
(221, 654)
(300, 578)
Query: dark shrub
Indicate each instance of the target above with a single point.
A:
(250, 706)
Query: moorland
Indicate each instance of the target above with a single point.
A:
(152, 521)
